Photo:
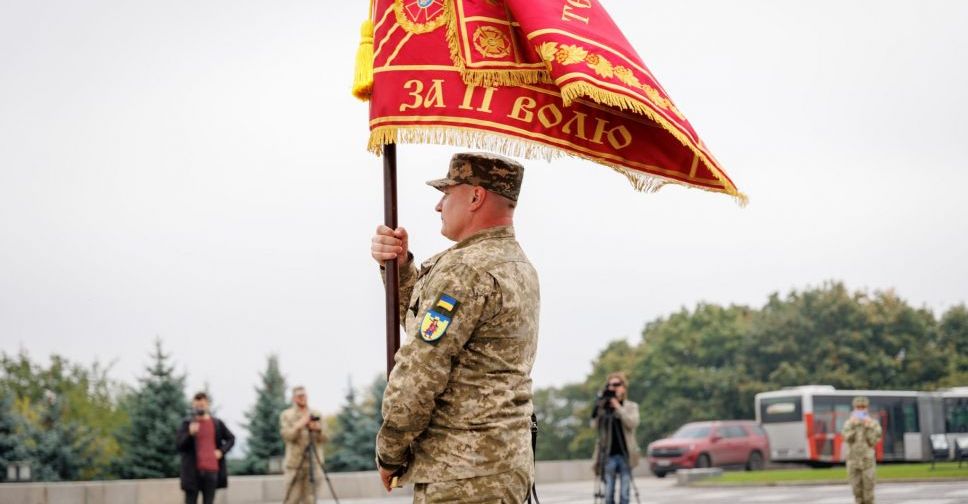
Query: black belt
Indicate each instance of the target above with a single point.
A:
(534, 450)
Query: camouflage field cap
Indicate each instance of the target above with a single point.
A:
(860, 401)
(495, 173)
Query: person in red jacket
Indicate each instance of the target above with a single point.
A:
(203, 441)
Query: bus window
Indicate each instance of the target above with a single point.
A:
(897, 417)
(830, 413)
(781, 409)
(911, 423)
(956, 415)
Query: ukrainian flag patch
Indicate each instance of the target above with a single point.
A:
(438, 318)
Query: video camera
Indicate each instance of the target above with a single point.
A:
(604, 401)
(314, 417)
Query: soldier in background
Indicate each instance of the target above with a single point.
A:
(861, 433)
(458, 403)
(299, 426)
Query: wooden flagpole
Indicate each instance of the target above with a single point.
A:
(392, 271)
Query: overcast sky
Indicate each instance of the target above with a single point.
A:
(196, 171)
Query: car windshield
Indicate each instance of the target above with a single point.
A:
(692, 432)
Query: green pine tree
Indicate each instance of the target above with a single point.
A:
(354, 438)
(157, 409)
(13, 432)
(61, 447)
(373, 411)
(263, 420)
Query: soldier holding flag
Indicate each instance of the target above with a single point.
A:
(458, 402)
(529, 78)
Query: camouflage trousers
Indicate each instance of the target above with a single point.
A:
(511, 487)
(861, 481)
(302, 488)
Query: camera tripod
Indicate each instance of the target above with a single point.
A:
(605, 426)
(309, 457)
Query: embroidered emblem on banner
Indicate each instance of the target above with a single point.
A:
(491, 43)
(420, 16)
(438, 319)
(573, 54)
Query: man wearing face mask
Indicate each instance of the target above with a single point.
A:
(457, 406)
(203, 441)
(861, 433)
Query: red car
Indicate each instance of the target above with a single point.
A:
(708, 444)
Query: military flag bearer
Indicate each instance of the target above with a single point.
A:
(457, 406)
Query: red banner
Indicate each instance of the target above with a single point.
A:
(529, 78)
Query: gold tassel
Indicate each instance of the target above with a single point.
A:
(363, 78)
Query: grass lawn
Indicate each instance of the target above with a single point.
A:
(942, 470)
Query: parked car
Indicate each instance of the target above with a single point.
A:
(707, 444)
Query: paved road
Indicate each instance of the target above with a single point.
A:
(655, 491)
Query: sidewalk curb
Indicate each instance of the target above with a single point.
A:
(823, 482)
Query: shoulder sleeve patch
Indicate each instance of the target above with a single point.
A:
(438, 318)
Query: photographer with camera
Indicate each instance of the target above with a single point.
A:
(617, 451)
(203, 441)
(302, 430)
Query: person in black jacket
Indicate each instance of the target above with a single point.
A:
(203, 441)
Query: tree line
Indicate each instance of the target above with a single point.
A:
(73, 422)
(708, 362)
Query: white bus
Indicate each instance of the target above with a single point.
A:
(804, 423)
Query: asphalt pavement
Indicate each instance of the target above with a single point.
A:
(665, 491)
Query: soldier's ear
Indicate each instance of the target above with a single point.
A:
(479, 194)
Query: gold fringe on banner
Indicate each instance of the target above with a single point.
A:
(516, 147)
(576, 90)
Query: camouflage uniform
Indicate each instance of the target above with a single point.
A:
(296, 440)
(506, 487)
(861, 436)
(458, 403)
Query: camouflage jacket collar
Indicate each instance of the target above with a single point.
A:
(486, 234)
